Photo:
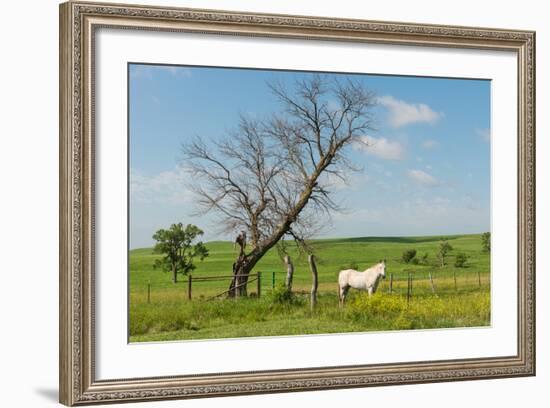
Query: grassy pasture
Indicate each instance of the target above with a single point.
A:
(170, 316)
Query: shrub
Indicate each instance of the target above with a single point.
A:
(415, 261)
(403, 322)
(425, 259)
(408, 255)
(460, 260)
(350, 265)
(282, 295)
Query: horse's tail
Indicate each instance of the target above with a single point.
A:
(340, 289)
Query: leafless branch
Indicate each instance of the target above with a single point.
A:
(267, 176)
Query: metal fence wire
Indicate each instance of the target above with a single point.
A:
(406, 283)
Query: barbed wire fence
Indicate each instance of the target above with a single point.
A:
(407, 283)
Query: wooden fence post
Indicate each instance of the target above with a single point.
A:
(189, 286)
(479, 277)
(259, 284)
(273, 280)
(391, 282)
(289, 273)
(315, 283)
(409, 289)
(432, 281)
(454, 274)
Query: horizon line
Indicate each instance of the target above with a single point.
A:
(358, 237)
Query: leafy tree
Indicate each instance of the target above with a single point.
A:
(408, 255)
(460, 260)
(176, 244)
(444, 249)
(486, 241)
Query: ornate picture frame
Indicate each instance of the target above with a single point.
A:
(79, 22)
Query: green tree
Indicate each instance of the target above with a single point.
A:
(444, 249)
(408, 255)
(176, 244)
(460, 260)
(486, 241)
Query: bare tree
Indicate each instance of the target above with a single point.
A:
(272, 177)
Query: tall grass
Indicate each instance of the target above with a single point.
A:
(423, 312)
(245, 317)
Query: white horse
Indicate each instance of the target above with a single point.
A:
(367, 280)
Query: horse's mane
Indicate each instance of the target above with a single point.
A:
(376, 267)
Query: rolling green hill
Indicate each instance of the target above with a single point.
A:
(332, 256)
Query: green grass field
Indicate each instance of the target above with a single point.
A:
(170, 316)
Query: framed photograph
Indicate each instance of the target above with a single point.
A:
(255, 203)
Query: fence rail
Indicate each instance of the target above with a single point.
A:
(253, 277)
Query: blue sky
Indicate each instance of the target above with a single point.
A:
(426, 172)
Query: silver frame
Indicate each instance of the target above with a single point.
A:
(78, 24)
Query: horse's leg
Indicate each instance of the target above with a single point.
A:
(344, 294)
(341, 295)
(370, 290)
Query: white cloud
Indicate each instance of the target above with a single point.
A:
(484, 134)
(381, 147)
(429, 144)
(423, 178)
(148, 71)
(420, 213)
(403, 113)
(170, 68)
(416, 216)
(349, 182)
(333, 182)
(167, 187)
(141, 72)
(176, 71)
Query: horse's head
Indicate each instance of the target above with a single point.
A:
(382, 268)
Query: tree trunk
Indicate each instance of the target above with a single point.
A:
(245, 263)
(241, 270)
(174, 274)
